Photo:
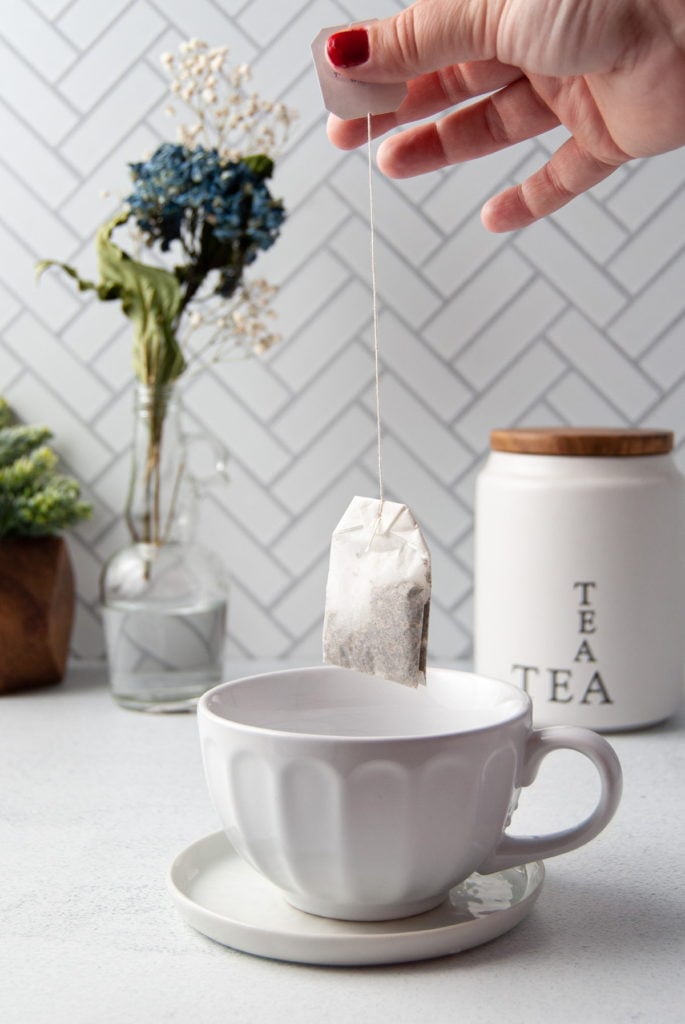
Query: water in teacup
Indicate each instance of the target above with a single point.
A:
(341, 702)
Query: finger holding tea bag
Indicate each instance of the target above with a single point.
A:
(348, 98)
(378, 593)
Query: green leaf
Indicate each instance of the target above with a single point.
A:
(5, 414)
(20, 440)
(150, 297)
(260, 164)
(83, 285)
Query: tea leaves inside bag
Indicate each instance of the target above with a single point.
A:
(378, 593)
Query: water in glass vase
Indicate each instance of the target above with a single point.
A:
(163, 596)
(164, 612)
(161, 658)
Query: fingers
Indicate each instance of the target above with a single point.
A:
(426, 96)
(426, 36)
(350, 134)
(570, 172)
(509, 116)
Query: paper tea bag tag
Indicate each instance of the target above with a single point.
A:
(378, 593)
(348, 98)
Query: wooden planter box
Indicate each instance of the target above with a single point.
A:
(37, 598)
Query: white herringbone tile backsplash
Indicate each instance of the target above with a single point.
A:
(579, 320)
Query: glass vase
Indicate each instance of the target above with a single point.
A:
(164, 596)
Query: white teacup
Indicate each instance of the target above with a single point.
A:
(365, 800)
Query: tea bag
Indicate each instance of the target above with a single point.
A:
(379, 578)
(378, 593)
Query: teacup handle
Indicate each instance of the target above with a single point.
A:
(515, 850)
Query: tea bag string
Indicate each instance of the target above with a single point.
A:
(374, 299)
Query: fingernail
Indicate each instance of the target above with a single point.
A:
(348, 49)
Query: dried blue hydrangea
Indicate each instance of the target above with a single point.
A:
(222, 211)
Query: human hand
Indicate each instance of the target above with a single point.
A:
(611, 71)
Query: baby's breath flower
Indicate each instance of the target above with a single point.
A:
(233, 121)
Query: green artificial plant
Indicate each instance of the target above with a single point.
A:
(35, 499)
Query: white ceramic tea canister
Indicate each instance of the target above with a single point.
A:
(580, 574)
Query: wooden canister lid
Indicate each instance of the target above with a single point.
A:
(594, 441)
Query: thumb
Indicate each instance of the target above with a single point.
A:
(427, 36)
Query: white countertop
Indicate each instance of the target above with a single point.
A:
(96, 801)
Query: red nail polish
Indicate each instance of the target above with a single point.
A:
(348, 49)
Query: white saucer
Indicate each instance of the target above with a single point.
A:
(225, 899)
